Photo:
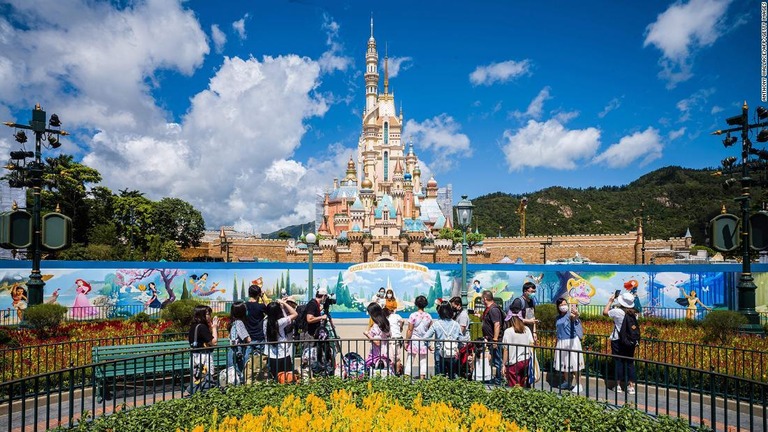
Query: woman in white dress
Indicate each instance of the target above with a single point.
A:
(568, 356)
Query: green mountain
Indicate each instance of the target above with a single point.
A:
(671, 200)
(294, 231)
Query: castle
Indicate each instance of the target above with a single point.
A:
(382, 211)
(388, 200)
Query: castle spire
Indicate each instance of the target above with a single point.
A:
(386, 68)
(371, 73)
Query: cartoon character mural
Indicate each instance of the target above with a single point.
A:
(579, 290)
(87, 289)
(199, 286)
(82, 307)
(19, 296)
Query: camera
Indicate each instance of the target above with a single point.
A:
(330, 300)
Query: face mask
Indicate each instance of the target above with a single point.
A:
(563, 308)
(381, 294)
(389, 295)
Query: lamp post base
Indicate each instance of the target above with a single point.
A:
(746, 292)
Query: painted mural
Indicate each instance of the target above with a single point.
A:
(679, 291)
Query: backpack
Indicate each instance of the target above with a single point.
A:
(629, 333)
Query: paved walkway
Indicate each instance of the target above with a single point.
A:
(655, 400)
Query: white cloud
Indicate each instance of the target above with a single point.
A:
(644, 146)
(716, 109)
(97, 64)
(549, 144)
(681, 30)
(499, 72)
(440, 135)
(239, 27)
(694, 102)
(331, 60)
(231, 155)
(675, 134)
(613, 104)
(219, 38)
(536, 107)
(396, 64)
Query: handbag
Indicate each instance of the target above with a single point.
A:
(534, 371)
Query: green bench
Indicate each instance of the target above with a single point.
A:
(120, 362)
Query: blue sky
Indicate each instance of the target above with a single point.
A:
(248, 109)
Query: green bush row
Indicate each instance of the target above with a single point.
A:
(535, 410)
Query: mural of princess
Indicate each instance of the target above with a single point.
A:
(82, 307)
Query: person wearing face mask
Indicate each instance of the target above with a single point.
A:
(379, 297)
(569, 335)
(390, 302)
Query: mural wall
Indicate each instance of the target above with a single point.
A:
(123, 289)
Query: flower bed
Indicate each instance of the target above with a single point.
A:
(377, 412)
(355, 402)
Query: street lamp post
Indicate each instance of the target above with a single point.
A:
(521, 209)
(31, 174)
(464, 217)
(310, 240)
(746, 286)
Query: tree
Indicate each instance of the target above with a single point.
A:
(283, 235)
(175, 219)
(133, 218)
(65, 184)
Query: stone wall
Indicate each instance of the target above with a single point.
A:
(607, 248)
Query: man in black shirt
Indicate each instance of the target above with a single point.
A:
(315, 315)
(316, 318)
(254, 321)
(527, 304)
(492, 319)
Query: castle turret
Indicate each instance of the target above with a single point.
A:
(371, 73)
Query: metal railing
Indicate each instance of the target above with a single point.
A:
(9, 316)
(23, 361)
(61, 398)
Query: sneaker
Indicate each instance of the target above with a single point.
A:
(619, 390)
(631, 390)
(564, 385)
(577, 389)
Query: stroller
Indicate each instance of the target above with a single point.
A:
(353, 366)
(466, 357)
(379, 367)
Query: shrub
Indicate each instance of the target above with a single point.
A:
(651, 332)
(6, 339)
(140, 317)
(45, 318)
(547, 314)
(535, 410)
(722, 325)
(180, 313)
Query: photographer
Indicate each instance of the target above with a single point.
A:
(316, 316)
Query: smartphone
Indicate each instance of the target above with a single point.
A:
(616, 294)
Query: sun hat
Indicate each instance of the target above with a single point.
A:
(627, 300)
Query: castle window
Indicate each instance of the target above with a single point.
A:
(386, 133)
(386, 165)
(386, 231)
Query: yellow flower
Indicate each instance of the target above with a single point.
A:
(377, 412)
